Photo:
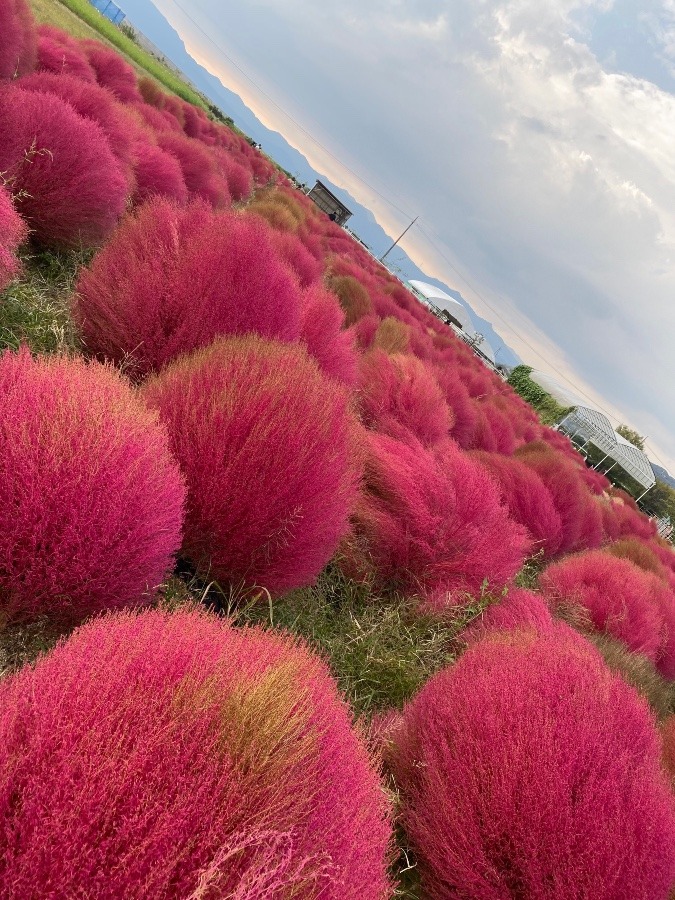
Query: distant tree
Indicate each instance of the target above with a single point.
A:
(631, 435)
(661, 500)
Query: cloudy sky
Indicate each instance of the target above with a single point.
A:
(534, 138)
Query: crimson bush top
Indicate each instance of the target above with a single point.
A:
(18, 44)
(66, 182)
(90, 498)
(432, 523)
(12, 232)
(267, 446)
(174, 757)
(529, 770)
(174, 278)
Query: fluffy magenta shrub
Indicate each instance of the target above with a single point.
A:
(520, 608)
(291, 249)
(13, 232)
(527, 770)
(157, 174)
(399, 396)
(199, 169)
(112, 71)
(91, 101)
(579, 512)
(18, 44)
(238, 176)
(90, 498)
(61, 54)
(432, 523)
(323, 335)
(464, 411)
(527, 498)
(267, 445)
(617, 595)
(173, 756)
(173, 278)
(66, 182)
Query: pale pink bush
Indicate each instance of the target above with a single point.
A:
(90, 497)
(174, 756)
(13, 232)
(322, 333)
(527, 498)
(399, 396)
(65, 180)
(173, 278)
(617, 595)
(528, 769)
(431, 523)
(18, 39)
(267, 445)
(61, 54)
(291, 249)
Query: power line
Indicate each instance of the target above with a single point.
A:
(285, 113)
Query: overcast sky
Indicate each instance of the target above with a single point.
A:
(535, 139)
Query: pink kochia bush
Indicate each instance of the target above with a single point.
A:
(528, 500)
(66, 182)
(174, 278)
(12, 232)
(399, 396)
(90, 498)
(18, 38)
(267, 445)
(173, 756)
(112, 71)
(323, 334)
(156, 173)
(520, 608)
(529, 770)
(61, 54)
(618, 597)
(431, 523)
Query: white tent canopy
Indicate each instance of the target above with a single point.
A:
(436, 297)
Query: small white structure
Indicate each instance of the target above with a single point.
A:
(439, 300)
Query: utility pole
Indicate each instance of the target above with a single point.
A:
(398, 238)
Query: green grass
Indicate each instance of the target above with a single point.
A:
(380, 650)
(36, 308)
(98, 26)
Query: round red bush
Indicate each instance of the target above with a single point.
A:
(267, 446)
(323, 334)
(618, 597)
(527, 770)
(527, 498)
(520, 608)
(61, 54)
(13, 232)
(399, 396)
(173, 756)
(432, 523)
(90, 497)
(112, 71)
(173, 278)
(91, 101)
(199, 169)
(18, 45)
(157, 174)
(66, 182)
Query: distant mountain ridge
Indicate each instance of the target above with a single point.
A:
(149, 20)
(663, 475)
